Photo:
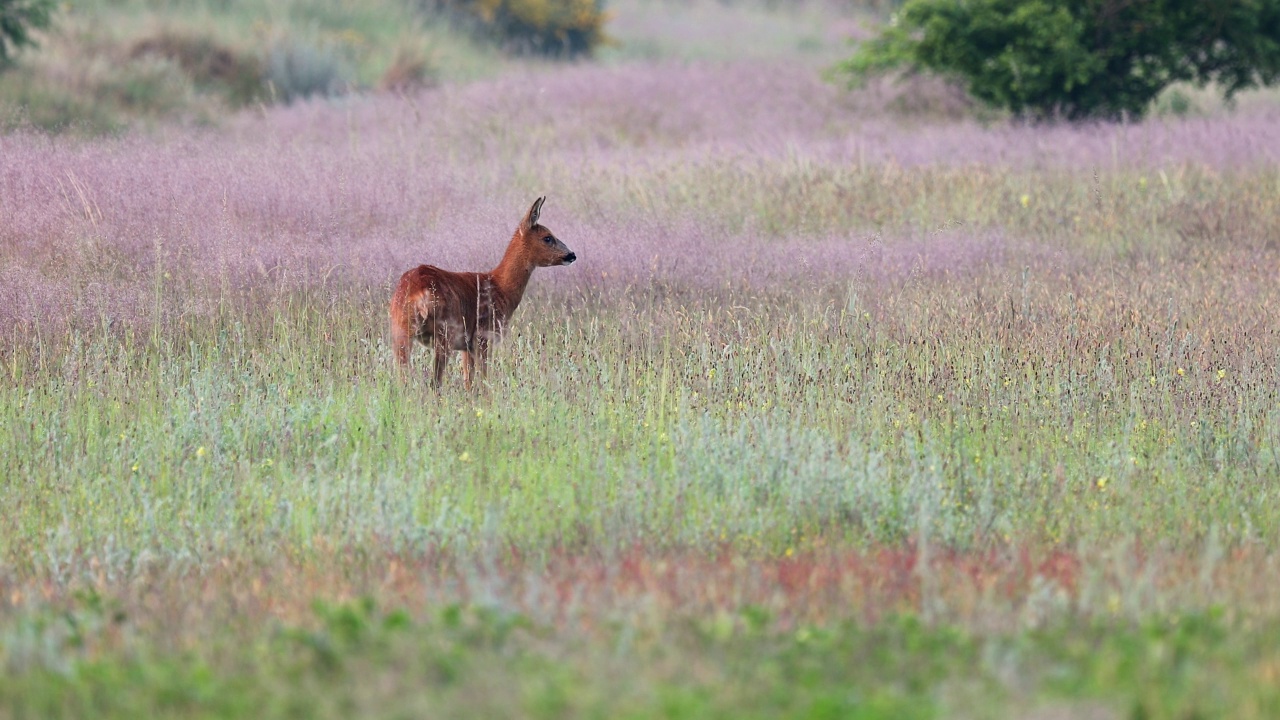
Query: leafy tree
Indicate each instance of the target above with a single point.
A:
(1079, 58)
(17, 18)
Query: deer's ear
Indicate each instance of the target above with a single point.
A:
(532, 218)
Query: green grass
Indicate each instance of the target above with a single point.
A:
(670, 421)
(968, 415)
(464, 661)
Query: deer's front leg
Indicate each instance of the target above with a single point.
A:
(442, 359)
(468, 367)
(482, 355)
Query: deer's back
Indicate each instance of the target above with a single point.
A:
(428, 295)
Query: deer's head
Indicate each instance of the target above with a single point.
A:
(541, 247)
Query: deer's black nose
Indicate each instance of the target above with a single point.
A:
(570, 258)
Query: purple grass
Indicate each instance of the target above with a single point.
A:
(362, 189)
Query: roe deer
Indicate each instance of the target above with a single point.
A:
(466, 311)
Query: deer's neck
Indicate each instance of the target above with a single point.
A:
(512, 274)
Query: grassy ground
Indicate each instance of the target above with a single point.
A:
(841, 413)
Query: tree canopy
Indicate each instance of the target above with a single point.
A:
(1079, 59)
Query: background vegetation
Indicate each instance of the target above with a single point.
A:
(1078, 60)
(18, 19)
(855, 404)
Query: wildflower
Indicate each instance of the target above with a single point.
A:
(1025, 200)
(711, 373)
(1181, 372)
(1102, 483)
(479, 412)
(135, 467)
(1221, 373)
(790, 552)
(200, 451)
(465, 456)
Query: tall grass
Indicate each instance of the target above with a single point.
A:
(814, 367)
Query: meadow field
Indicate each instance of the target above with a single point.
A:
(856, 404)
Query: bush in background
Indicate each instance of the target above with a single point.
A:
(1079, 59)
(211, 66)
(297, 70)
(408, 71)
(17, 19)
(555, 28)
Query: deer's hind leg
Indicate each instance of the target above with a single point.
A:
(401, 336)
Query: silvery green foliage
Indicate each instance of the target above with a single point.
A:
(298, 71)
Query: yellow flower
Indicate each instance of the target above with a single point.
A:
(479, 412)
(200, 451)
(135, 467)
(1181, 372)
(465, 457)
(1221, 373)
(1025, 200)
(1102, 483)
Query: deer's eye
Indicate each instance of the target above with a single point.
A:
(548, 240)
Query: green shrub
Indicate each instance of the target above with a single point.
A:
(1079, 58)
(556, 28)
(17, 19)
(211, 66)
(27, 101)
(297, 70)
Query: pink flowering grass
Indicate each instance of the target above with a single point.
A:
(699, 172)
